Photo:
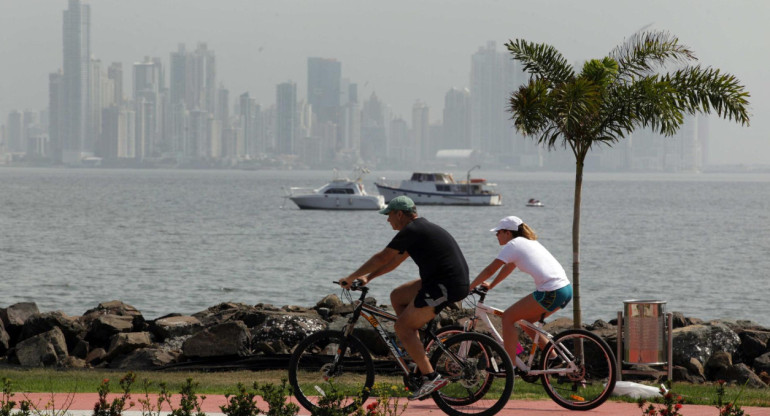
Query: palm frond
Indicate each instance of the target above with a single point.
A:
(646, 52)
(706, 89)
(576, 105)
(529, 107)
(541, 60)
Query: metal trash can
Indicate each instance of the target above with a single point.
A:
(644, 332)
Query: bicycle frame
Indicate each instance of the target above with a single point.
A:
(482, 312)
(371, 313)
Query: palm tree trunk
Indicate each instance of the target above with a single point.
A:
(576, 309)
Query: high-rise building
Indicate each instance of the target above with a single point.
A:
(249, 126)
(148, 83)
(398, 141)
(115, 73)
(286, 118)
(493, 78)
(457, 120)
(350, 121)
(374, 143)
(323, 88)
(178, 79)
(55, 114)
(15, 132)
(421, 146)
(77, 134)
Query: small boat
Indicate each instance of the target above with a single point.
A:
(439, 188)
(339, 194)
(534, 203)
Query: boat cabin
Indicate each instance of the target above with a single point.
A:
(432, 177)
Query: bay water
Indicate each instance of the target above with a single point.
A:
(179, 241)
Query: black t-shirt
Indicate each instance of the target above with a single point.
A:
(434, 250)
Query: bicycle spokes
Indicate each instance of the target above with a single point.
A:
(582, 375)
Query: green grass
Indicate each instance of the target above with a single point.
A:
(88, 380)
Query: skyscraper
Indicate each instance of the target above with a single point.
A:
(78, 133)
(115, 73)
(192, 88)
(148, 81)
(286, 118)
(323, 88)
(15, 131)
(420, 131)
(374, 143)
(56, 120)
(457, 120)
(493, 78)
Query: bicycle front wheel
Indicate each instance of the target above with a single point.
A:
(480, 375)
(590, 381)
(322, 375)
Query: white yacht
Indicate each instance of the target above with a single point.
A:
(432, 188)
(339, 194)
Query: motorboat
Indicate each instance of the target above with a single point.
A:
(341, 193)
(440, 188)
(535, 203)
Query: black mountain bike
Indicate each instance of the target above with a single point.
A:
(479, 371)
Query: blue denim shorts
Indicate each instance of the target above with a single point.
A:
(555, 299)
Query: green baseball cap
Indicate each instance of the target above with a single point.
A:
(399, 203)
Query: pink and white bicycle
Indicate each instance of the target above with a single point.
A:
(580, 377)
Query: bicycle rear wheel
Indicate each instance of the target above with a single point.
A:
(314, 374)
(591, 382)
(480, 375)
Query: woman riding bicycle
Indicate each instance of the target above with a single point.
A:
(521, 249)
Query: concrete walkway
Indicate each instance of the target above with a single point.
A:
(82, 404)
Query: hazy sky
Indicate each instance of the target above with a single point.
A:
(403, 50)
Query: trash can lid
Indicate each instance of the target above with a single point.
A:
(643, 301)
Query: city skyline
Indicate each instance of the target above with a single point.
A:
(378, 60)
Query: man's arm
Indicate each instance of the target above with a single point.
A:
(379, 264)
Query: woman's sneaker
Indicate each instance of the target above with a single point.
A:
(429, 385)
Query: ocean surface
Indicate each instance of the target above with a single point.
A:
(180, 241)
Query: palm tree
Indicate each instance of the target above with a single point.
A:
(612, 97)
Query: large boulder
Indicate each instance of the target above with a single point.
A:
(717, 366)
(227, 339)
(43, 350)
(285, 331)
(762, 363)
(104, 327)
(124, 343)
(119, 308)
(71, 327)
(224, 312)
(144, 359)
(742, 374)
(753, 344)
(702, 341)
(14, 316)
(175, 326)
(5, 339)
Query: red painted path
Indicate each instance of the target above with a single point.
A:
(81, 404)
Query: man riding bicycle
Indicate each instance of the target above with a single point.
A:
(444, 278)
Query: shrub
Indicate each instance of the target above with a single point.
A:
(118, 404)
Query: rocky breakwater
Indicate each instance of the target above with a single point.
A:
(233, 335)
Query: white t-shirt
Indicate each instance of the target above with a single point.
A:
(532, 258)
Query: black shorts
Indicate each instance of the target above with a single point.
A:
(440, 294)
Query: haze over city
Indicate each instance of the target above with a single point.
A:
(403, 51)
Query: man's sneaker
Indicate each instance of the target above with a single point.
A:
(429, 385)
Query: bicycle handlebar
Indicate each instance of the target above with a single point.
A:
(481, 291)
(355, 286)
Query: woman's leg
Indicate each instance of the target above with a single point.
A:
(528, 309)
